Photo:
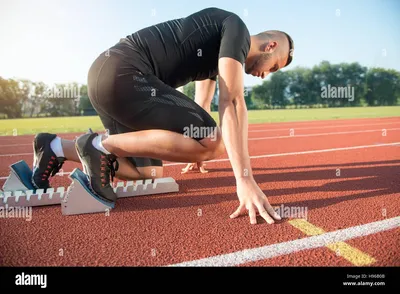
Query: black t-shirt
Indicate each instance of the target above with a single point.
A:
(187, 49)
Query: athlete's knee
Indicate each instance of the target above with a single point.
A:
(217, 150)
(220, 149)
(214, 146)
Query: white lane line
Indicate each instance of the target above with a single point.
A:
(301, 152)
(277, 154)
(323, 127)
(284, 248)
(14, 145)
(255, 124)
(324, 134)
(16, 154)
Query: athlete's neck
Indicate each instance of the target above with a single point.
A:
(254, 48)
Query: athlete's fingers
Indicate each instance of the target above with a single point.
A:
(271, 211)
(252, 215)
(264, 213)
(187, 168)
(203, 170)
(201, 166)
(238, 211)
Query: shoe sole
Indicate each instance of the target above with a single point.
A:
(85, 171)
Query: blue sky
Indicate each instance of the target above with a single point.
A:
(56, 41)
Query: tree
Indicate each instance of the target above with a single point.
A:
(261, 95)
(248, 98)
(189, 90)
(10, 98)
(85, 106)
(383, 87)
(62, 100)
(303, 88)
(279, 84)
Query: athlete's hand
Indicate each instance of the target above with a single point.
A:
(253, 199)
(191, 166)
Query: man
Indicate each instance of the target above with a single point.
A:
(132, 86)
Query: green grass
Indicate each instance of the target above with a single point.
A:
(81, 124)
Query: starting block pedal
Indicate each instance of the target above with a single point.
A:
(78, 197)
(19, 178)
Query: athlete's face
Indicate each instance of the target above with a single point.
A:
(266, 61)
(263, 64)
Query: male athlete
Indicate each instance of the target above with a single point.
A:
(132, 86)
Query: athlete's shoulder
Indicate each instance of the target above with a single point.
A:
(235, 42)
(214, 12)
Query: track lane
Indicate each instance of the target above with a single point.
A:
(171, 225)
(166, 229)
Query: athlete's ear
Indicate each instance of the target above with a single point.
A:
(270, 46)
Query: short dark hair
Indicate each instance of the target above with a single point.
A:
(267, 35)
(291, 49)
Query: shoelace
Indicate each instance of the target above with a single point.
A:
(53, 164)
(107, 167)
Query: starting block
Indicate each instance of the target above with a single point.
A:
(78, 197)
(19, 178)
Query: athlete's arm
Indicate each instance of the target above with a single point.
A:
(233, 116)
(235, 45)
(234, 128)
(204, 92)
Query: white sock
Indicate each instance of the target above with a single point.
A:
(98, 145)
(56, 146)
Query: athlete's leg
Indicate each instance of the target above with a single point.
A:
(130, 168)
(48, 161)
(165, 145)
(165, 124)
(68, 147)
(127, 171)
(166, 120)
(51, 152)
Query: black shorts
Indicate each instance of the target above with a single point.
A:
(127, 101)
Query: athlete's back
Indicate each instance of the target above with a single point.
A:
(186, 49)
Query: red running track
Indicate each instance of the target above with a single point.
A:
(194, 223)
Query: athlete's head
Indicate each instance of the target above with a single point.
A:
(269, 52)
